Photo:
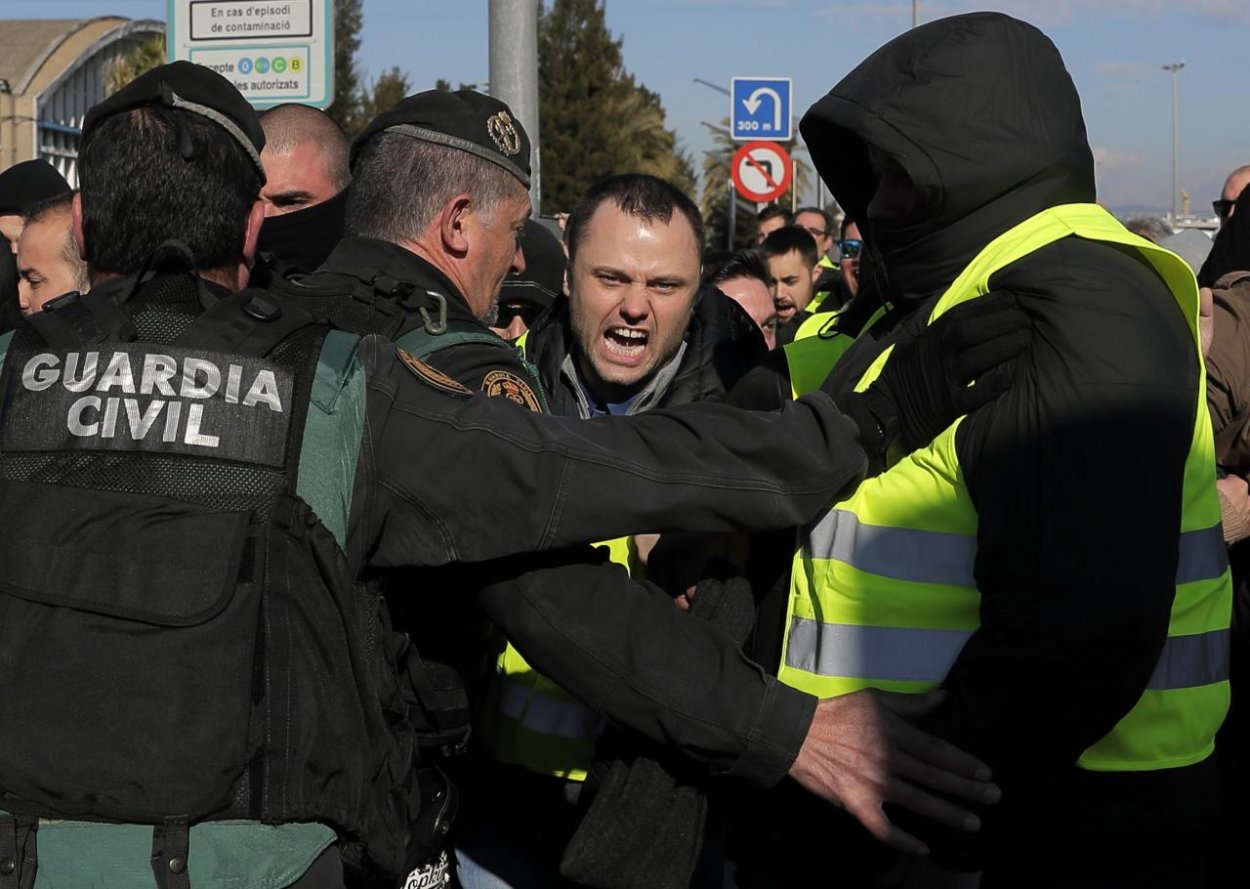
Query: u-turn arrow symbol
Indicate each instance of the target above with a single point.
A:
(752, 104)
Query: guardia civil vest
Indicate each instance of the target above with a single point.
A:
(529, 720)
(191, 662)
(882, 591)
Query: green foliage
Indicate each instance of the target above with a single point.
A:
(595, 118)
(345, 109)
(142, 58)
(386, 91)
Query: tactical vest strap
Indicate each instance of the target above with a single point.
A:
(247, 323)
(421, 344)
(80, 320)
(171, 844)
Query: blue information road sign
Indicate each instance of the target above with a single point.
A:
(760, 108)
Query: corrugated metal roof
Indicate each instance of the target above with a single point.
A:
(24, 43)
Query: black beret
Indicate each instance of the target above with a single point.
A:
(465, 119)
(27, 183)
(193, 88)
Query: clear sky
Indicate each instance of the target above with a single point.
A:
(1115, 50)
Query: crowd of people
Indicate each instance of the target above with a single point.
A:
(365, 529)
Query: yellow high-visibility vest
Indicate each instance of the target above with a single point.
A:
(882, 591)
(531, 721)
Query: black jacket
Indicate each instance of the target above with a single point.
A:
(1075, 472)
(721, 344)
(372, 286)
(470, 483)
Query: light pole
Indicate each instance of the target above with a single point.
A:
(915, 13)
(514, 74)
(1174, 69)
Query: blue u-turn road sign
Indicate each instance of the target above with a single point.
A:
(761, 108)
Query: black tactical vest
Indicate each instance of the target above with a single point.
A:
(181, 639)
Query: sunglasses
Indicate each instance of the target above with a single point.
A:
(850, 248)
(1223, 207)
(524, 311)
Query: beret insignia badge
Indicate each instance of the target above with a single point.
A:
(503, 133)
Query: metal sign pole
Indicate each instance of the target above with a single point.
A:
(733, 215)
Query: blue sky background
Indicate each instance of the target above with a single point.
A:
(1115, 50)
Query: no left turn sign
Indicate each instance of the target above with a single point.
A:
(761, 171)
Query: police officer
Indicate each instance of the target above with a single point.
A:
(194, 478)
(437, 206)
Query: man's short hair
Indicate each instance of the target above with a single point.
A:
(155, 173)
(788, 239)
(724, 266)
(649, 198)
(42, 209)
(289, 125)
(772, 211)
(824, 214)
(400, 184)
(61, 205)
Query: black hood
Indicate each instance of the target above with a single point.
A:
(981, 114)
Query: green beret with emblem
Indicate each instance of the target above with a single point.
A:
(466, 120)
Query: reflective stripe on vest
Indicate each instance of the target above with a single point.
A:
(883, 592)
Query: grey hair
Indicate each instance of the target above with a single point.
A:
(400, 184)
(1152, 228)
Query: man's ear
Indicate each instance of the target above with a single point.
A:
(76, 216)
(453, 225)
(817, 271)
(255, 219)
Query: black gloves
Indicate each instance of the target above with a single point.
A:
(924, 385)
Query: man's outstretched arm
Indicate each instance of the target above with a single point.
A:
(625, 651)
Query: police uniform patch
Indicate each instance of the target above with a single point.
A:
(430, 376)
(143, 397)
(510, 386)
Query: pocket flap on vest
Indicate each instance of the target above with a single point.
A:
(131, 556)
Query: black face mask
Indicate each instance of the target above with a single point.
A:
(303, 239)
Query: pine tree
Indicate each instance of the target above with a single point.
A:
(384, 93)
(345, 109)
(595, 118)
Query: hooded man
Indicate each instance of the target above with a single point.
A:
(1053, 560)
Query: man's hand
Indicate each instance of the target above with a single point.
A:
(861, 753)
(923, 387)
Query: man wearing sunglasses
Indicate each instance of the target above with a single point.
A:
(1233, 185)
(525, 295)
(850, 245)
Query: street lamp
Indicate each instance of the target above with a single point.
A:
(1174, 69)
